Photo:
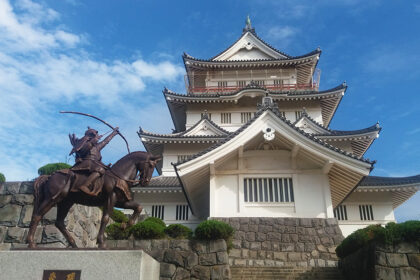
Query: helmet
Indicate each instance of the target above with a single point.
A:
(91, 132)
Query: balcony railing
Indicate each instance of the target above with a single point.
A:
(229, 89)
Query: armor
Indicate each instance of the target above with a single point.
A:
(88, 158)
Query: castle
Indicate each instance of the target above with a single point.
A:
(252, 139)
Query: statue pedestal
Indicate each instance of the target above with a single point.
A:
(78, 265)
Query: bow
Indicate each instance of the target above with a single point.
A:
(104, 122)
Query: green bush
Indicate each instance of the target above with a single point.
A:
(2, 178)
(392, 233)
(148, 230)
(212, 230)
(178, 231)
(50, 168)
(118, 216)
(114, 231)
(156, 221)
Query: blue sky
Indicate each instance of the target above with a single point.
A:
(113, 58)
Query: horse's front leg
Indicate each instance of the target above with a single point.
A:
(107, 211)
(131, 204)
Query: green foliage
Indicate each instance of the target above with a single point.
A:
(115, 231)
(2, 178)
(212, 230)
(156, 221)
(392, 233)
(148, 230)
(178, 231)
(118, 216)
(50, 168)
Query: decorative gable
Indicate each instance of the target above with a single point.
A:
(205, 127)
(249, 47)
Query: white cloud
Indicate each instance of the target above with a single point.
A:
(281, 33)
(45, 69)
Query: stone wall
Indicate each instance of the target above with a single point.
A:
(183, 259)
(16, 205)
(401, 261)
(284, 242)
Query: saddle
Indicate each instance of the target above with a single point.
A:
(98, 184)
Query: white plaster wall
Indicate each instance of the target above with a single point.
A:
(245, 54)
(171, 152)
(383, 211)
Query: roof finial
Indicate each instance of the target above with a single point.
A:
(248, 25)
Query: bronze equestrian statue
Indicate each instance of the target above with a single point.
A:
(110, 185)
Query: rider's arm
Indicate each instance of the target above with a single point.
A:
(102, 144)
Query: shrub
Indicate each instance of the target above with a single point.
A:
(2, 178)
(178, 231)
(50, 168)
(147, 230)
(212, 230)
(114, 231)
(392, 233)
(118, 216)
(156, 221)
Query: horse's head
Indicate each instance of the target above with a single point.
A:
(146, 169)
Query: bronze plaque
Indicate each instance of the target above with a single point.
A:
(61, 275)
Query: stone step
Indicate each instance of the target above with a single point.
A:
(289, 273)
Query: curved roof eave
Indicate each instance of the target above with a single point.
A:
(378, 181)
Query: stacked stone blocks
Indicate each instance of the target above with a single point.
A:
(302, 242)
(16, 206)
(183, 259)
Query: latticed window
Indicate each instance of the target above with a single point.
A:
(158, 211)
(366, 212)
(245, 117)
(225, 118)
(182, 212)
(182, 157)
(340, 213)
(283, 114)
(208, 115)
(222, 84)
(241, 84)
(278, 82)
(298, 114)
(268, 190)
(260, 82)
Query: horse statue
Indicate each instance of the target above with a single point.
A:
(60, 189)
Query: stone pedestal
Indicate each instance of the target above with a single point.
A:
(93, 264)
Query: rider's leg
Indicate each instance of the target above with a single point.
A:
(85, 187)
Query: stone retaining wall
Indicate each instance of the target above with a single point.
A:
(183, 259)
(401, 261)
(284, 241)
(16, 205)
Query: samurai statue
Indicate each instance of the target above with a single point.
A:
(88, 158)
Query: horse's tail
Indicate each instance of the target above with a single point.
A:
(39, 182)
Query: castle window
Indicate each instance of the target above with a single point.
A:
(340, 213)
(278, 82)
(225, 118)
(182, 212)
(366, 212)
(241, 84)
(222, 84)
(283, 114)
(245, 117)
(158, 211)
(268, 190)
(298, 114)
(260, 82)
(208, 115)
(182, 157)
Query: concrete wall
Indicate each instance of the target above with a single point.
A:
(16, 205)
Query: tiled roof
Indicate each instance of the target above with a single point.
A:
(142, 132)
(276, 112)
(255, 86)
(163, 181)
(187, 56)
(376, 181)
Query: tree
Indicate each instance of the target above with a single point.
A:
(50, 168)
(2, 178)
